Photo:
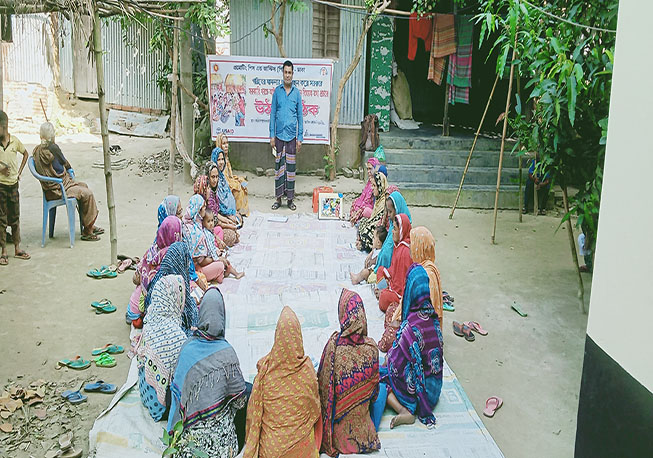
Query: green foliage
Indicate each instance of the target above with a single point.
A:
(173, 442)
(427, 6)
(562, 114)
(328, 162)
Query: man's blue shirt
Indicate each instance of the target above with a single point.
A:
(286, 115)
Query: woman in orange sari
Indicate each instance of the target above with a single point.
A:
(283, 413)
(422, 250)
(237, 184)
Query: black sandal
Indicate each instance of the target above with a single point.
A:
(291, 205)
(276, 205)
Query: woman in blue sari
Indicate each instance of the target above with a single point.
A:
(395, 205)
(228, 215)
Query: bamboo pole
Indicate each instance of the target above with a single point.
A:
(503, 138)
(173, 110)
(521, 193)
(574, 254)
(471, 151)
(108, 176)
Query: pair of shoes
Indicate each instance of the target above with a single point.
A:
(462, 330)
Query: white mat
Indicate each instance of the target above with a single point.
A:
(303, 263)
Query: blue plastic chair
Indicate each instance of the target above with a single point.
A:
(50, 206)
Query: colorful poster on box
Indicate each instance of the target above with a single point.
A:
(241, 89)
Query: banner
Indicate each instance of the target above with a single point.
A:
(241, 89)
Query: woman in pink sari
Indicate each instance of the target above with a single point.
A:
(362, 206)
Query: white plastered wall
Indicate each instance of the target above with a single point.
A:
(621, 307)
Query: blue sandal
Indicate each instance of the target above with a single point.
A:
(100, 387)
(74, 396)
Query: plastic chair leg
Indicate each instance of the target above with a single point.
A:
(70, 207)
(45, 222)
(53, 218)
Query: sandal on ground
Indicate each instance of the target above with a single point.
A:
(74, 396)
(101, 303)
(105, 360)
(109, 308)
(89, 238)
(102, 272)
(447, 307)
(100, 387)
(22, 254)
(462, 330)
(98, 230)
(476, 327)
(124, 265)
(492, 404)
(77, 363)
(276, 205)
(4, 260)
(108, 348)
(291, 205)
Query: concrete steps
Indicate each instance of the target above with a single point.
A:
(428, 167)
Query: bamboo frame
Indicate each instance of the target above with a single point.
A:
(108, 175)
(471, 151)
(574, 254)
(503, 138)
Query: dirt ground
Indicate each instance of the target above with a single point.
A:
(533, 363)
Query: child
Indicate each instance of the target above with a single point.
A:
(208, 223)
(368, 270)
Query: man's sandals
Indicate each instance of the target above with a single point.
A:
(22, 254)
(291, 205)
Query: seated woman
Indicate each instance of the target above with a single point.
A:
(395, 275)
(422, 251)
(47, 163)
(283, 413)
(170, 206)
(367, 226)
(201, 242)
(178, 261)
(412, 376)
(160, 343)
(238, 185)
(222, 202)
(362, 206)
(168, 233)
(208, 388)
(348, 379)
(395, 204)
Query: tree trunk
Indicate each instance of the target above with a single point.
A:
(378, 8)
(574, 254)
(173, 110)
(277, 33)
(99, 66)
(187, 112)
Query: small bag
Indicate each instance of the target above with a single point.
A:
(316, 195)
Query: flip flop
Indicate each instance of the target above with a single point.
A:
(105, 309)
(77, 363)
(22, 254)
(4, 260)
(448, 307)
(292, 206)
(100, 387)
(101, 303)
(105, 360)
(462, 330)
(515, 306)
(98, 231)
(276, 205)
(492, 404)
(108, 348)
(89, 238)
(74, 397)
(124, 265)
(476, 327)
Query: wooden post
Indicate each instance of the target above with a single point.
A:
(521, 184)
(186, 79)
(445, 118)
(99, 66)
(574, 254)
(173, 110)
(503, 137)
(471, 151)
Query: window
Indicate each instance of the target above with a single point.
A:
(326, 31)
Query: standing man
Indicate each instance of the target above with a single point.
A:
(9, 198)
(286, 135)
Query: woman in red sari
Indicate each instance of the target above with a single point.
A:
(401, 261)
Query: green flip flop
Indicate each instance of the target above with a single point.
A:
(109, 308)
(76, 363)
(105, 360)
(101, 303)
(108, 348)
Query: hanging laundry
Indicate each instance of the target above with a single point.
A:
(444, 44)
(459, 76)
(419, 28)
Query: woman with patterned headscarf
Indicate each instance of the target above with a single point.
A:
(237, 184)
(348, 379)
(221, 201)
(422, 250)
(367, 226)
(283, 413)
(414, 363)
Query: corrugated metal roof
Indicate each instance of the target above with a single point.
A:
(247, 15)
